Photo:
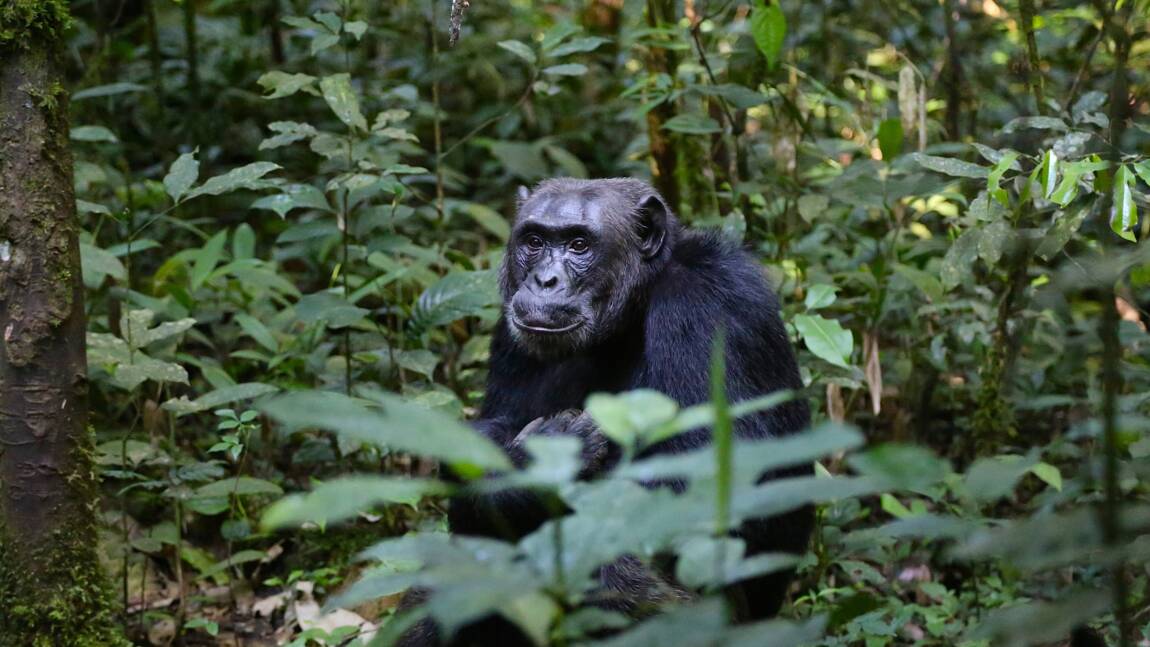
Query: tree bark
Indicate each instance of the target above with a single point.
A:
(662, 61)
(52, 590)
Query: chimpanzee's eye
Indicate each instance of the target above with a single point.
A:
(534, 243)
(579, 246)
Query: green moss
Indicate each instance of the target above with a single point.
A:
(54, 592)
(22, 22)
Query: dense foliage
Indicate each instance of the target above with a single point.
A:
(294, 211)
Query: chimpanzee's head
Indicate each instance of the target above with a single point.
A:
(580, 257)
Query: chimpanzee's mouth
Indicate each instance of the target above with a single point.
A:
(538, 329)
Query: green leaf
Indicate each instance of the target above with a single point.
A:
(330, 308)
(205, 259)
(1049, 173)
(519, 49)
(242, 557)
(181, 175)
(245, 177)
(769, 29)
(258, 331)
(566, 69)
(1123, 213)
(282, 84)
(455, 296)
(992, 478)
(420, 360)
(108, 90)
(957, 262)
(240, 486)
(692, 124)
(213, 399)
(92, 134)
(1048, 474)
(624, 417)
(826, 338)
(346, 497)
(356, 28)
(343, 101)
(950, 166)
(294, 196)
(819, 295)
(924, 281)
(399, 425)
(98, 263)
(578, 45)
(890, 137)
(995, 177)
(288, 132)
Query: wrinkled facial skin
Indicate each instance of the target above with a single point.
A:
(573, 259)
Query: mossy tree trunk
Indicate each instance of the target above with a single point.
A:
(52, 590)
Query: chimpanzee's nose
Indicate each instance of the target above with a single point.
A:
(546, 280)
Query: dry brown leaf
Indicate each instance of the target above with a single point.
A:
(836, 410)
(1128, 312)
(872, 370)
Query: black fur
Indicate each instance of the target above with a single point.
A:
(653, 296)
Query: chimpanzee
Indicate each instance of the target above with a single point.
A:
(604, 291)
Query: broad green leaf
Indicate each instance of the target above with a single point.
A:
(959, 258)
(769, 29)
(890, 137)
(924, 281)
(1123, 213)
(294, 196)
(566, 69)
(245, 177)
(455, 296)
(399, 425)
(519, 49)
(330, 308)
(258, 331)
(242, 557)
(213, 399)
(813, 205)
(282, 84)
(902, 467)
(92, 134)
(420, 360)
(624, 417)
(356, 28)
(950, 166)
(287, 132)
(578, 45)
(346, 497)
(182, 175)
(205, 259)
(1048, 474)
(1036, 123)
(739, 96)
(995, 177)
(98, 263)
(692, 124)
(342, 99)
(240, 486)
(826, 338)
(819, 295)
(995, 477)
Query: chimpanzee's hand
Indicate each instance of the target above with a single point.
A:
(572, 422)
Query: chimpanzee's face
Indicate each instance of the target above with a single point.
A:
(576, 253)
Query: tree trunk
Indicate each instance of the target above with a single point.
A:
(52, 590)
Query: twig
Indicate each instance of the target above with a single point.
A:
(1034, 69)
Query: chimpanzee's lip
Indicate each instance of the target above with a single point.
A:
(546, 330)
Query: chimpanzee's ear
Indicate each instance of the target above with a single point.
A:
(651, 222)
(522, 194)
